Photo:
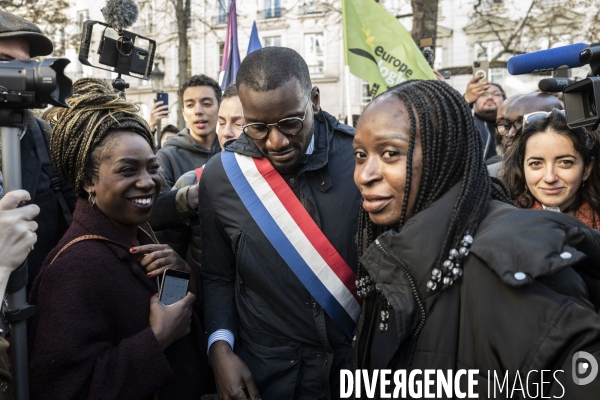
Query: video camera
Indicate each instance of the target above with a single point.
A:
(581, 98)
(34, 84)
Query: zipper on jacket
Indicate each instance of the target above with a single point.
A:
(238, 245)
(361, 327)
(413, 340)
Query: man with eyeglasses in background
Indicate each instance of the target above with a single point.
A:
(267, 202)
(485, 98)
(511, 125)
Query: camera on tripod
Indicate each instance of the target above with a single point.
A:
(34, 84)
(582, 98)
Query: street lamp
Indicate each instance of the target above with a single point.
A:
(157, 77)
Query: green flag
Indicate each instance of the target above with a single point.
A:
(378, 48)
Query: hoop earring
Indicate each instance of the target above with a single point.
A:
(92, 198)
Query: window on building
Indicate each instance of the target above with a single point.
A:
(496, 75)
(487, 50)
(272, 8)
(313, 52)
(365, 97)
(144, 22)
(311, 7)
(272, 41)
(489, 5)
(220, 58)
(223, 6)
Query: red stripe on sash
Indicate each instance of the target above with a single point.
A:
(305, 222)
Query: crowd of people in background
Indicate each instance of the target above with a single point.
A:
(312, 247)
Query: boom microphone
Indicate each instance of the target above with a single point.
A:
(554, 85)
(120, 14)
(547, 60)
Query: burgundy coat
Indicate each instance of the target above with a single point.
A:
(90, 337)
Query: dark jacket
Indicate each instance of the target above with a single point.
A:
(293, 349)
(51, 222)
(187, 240)
(489, 319)
(90, 337)
(180, 154)
(487, 129)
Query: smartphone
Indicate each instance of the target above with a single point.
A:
(174, 286)
(109, 55)
(447, 74)
(164, 97)
(481, 68)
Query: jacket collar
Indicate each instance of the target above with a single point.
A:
(518, 245)
(420, 240)
(183, 139)
(92, 221)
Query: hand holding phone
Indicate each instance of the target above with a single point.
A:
(164, 97)
(169, 323)
(478, 83)
(158, 112)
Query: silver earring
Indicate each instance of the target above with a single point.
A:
(92, 198)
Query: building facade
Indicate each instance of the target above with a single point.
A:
(314, 29)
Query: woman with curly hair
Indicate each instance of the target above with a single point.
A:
(552, 167)
(99, 331)
(453, 276)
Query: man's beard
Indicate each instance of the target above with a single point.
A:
(488, 115)
(292, 166)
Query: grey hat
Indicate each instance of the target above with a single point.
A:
(13, 26)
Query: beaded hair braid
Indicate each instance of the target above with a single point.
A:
(452, 153)
(97, 112)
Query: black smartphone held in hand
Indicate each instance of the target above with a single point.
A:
(174, 286)
(164, 97)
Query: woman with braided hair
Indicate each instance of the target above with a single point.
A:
(100, 331)
(452, 275)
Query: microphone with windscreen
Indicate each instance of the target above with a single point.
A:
(547, 60)
(554, 85)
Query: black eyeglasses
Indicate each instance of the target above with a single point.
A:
(503, 127)
(287, 126)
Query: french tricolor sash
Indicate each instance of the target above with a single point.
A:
(295, 236)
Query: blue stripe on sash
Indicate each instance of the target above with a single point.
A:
(283, 246)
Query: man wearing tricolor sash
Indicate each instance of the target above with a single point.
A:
(279, 209)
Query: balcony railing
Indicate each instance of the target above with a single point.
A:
(311, 8)
(275, 12)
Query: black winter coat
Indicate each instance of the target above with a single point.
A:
(292, 347)
(493, 318)
(90, 337)
(51, 221)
